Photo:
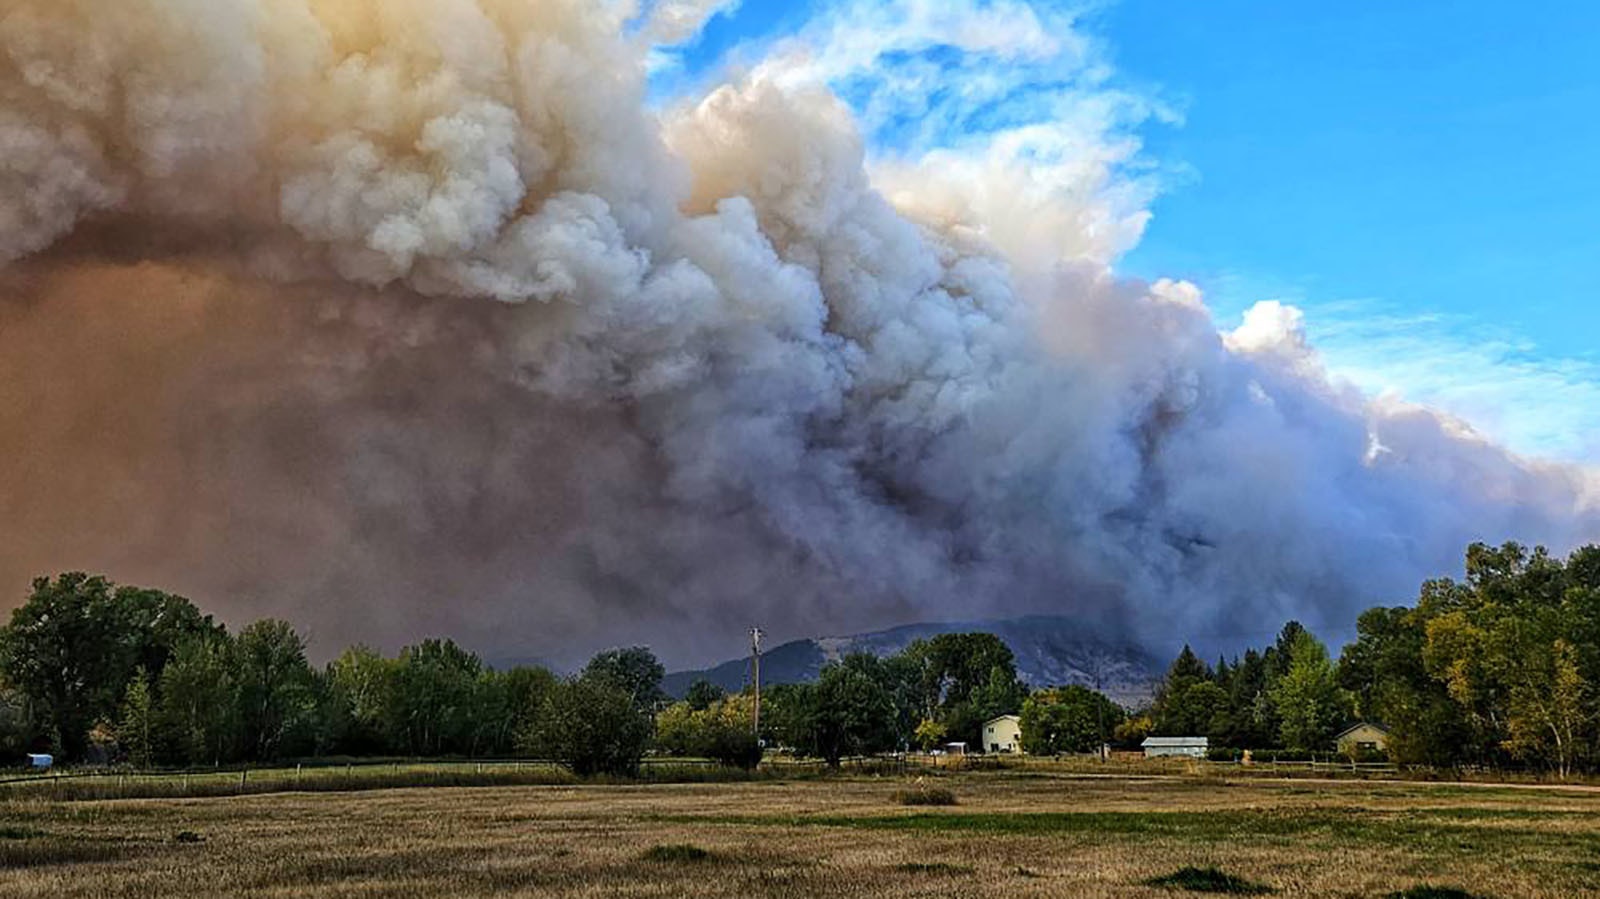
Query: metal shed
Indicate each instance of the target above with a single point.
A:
(1165, 747)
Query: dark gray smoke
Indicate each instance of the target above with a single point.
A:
(401, 318)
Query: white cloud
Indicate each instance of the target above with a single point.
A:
(998, 117)
(1501, 382)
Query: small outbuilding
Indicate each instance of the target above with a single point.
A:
(1003, 734)
(1181, 747)
(1362, 739)
(40, 761)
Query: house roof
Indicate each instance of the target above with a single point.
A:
(1355, 727)
(1176, 742)
(1001, 718)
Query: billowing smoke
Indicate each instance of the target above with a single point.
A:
(397, 317)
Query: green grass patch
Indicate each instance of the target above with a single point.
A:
(13, 832)
(1209, 880)
(1472, 835)
(677, 854)
(944, 868)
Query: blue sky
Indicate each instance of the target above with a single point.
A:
(1422, 177)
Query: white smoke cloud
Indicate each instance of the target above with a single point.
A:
(401, 317)
(674, 22)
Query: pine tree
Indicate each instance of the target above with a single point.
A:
(136, 731)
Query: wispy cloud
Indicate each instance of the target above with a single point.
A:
(1500, 382)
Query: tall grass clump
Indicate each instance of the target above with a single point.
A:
(1208, 880)
(677, 854)
(923, 794)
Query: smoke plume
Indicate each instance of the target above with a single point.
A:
(401, 317)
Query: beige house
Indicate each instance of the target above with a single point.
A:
(1364, 737)
(1003, 734)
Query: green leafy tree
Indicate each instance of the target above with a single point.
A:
(703, 694)
(1310, 703)
(930, 735)
(1385, 674)
(635, 671)
(433, 700)
(505, 702)
(199, 704)
(592, 726)
(358, 689)
(789, 717)
(276, 689)
(959, 680)
(16, 723)
(1071, 719)
(74, 645)
(722, 731)
(62, 649)
(152, 624)
(854, 711)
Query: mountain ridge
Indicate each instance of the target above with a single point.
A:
(1050, 651)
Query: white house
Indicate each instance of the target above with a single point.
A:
(1166, 747)
(1003, 734)
(39, 760)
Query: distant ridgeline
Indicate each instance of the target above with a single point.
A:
(1050, 652)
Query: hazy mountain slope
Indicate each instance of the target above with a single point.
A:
(1050, 651)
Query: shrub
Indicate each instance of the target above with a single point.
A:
(1208, 880)
(592, 727)
(925, 795)
(677, 853)
(1427, 892)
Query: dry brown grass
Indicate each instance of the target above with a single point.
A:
(1017, 835)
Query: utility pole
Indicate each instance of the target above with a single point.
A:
(755, 669)
(1099, 709)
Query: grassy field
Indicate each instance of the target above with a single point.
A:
(1015, 834)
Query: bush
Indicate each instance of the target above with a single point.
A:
(925, 795)
(590, 726)
(723, 731)
(1427, 892)
(677, 854)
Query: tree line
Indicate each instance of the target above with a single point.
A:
(1499, 669)
(93, 671)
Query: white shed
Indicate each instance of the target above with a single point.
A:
(1165, 747)
(37, 760)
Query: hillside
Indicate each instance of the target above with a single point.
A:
(1050, 652)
